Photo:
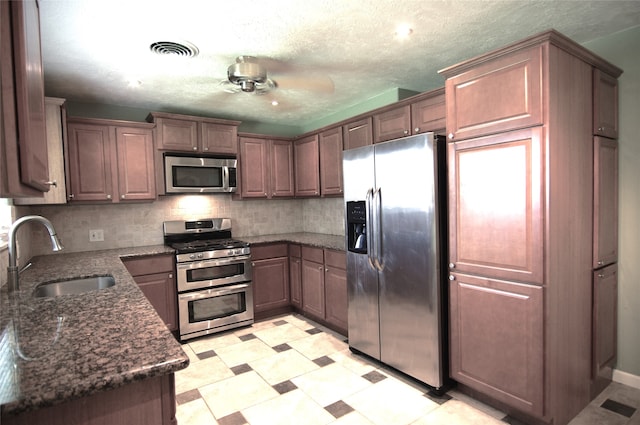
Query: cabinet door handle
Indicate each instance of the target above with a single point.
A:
(452, 266)
(123, 196)
(195, 148)
(71, 196)
(170, 275)
(452, 277)
(600, 275)
(52, 183)
(406, 132)
(108, 196)
(450, 136)
(417, 130)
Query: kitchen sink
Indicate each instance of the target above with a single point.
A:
(74, 286)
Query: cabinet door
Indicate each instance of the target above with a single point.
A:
(605, 318)
(605, 206)
(270, 283)
(496, 340)
(295, 283)
(495, 206)
(331, 162)
(358, 133)
(177, 135)
(29, 94)
(219, 138)
(160, 290)
(253, 168)
(336, 303)
(91, 162)
(281, 161)
(307, 166)
(605, 105)
(429, 115)
(392, 124)
(136, 170)
(56, 119)
(499, 95)
(313, 297)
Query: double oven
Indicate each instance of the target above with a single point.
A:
(213, 274)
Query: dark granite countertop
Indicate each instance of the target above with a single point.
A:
(61, 348)
(319, 240)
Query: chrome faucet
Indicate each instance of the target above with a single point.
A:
(12, 269)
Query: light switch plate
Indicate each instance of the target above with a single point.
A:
(96, 235)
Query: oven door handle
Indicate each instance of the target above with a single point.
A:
(190, 296)
(214, 262)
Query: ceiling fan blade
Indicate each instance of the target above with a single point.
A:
(316, 84)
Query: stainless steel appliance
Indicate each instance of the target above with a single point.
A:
(199, 174)
(395, 211)
(213, 273)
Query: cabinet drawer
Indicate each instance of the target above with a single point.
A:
(498, 95)
(294, 251)
(260, 252)
(149, 265)
(313, 254)
(333, 258)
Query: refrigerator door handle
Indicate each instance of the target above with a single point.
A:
(377, 217)
(369, 231)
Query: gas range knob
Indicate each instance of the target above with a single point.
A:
(192, 256)
(200, 255)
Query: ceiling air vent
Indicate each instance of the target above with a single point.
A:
(173, 48)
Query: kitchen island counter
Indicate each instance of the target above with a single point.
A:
(58, 349)
(319, 240)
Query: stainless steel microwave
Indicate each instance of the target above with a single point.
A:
(200, 174)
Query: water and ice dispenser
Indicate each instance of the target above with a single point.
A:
(357, 227)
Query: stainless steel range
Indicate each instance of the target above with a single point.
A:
(213, 273)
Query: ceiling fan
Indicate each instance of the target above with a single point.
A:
(249, 75)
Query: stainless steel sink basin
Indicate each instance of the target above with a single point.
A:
(74, 286)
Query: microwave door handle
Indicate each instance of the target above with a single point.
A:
(225, 177)
(369, 228)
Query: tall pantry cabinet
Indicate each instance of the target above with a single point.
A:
(521, 199)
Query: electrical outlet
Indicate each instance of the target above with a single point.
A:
(96, 235)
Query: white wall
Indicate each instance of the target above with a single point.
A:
(623, 50)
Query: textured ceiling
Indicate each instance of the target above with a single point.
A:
(91, 48)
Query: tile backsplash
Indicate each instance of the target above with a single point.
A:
(140, 224)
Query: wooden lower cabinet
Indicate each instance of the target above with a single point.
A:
(313, 296)
(335, 284)
(605, 329)
(496, 340)
(148, 402)
(295, 275)
(270, 279)
(155, 275)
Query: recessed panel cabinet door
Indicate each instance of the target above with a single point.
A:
(136, 170)
(496, 339)
(32, 140)
(605, 317)
(605, 105)
(90, 162)
(496, 209)
(605, 206)
(281, 165)
(255, 175)
(331, 162)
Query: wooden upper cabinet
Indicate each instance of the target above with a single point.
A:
(92, 163)
(392, 124)
(307, 166)
(176, 135)
(605, 206)
(504, 362)
(109, 162)
(136, 170)
(254, 154)
(429, 114)
(266, 168)
(29, 80)
(605, 105)
(358, 133)
(219, 138)
(331, 147)
(185, 133)
(496, 206)
(281, 165)
(502, 94)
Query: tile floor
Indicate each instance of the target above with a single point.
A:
(290, 370)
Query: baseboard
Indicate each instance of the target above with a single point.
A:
(626, 378)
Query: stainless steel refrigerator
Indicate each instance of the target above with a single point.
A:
(395, 214)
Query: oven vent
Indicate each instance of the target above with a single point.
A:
(184, 48)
